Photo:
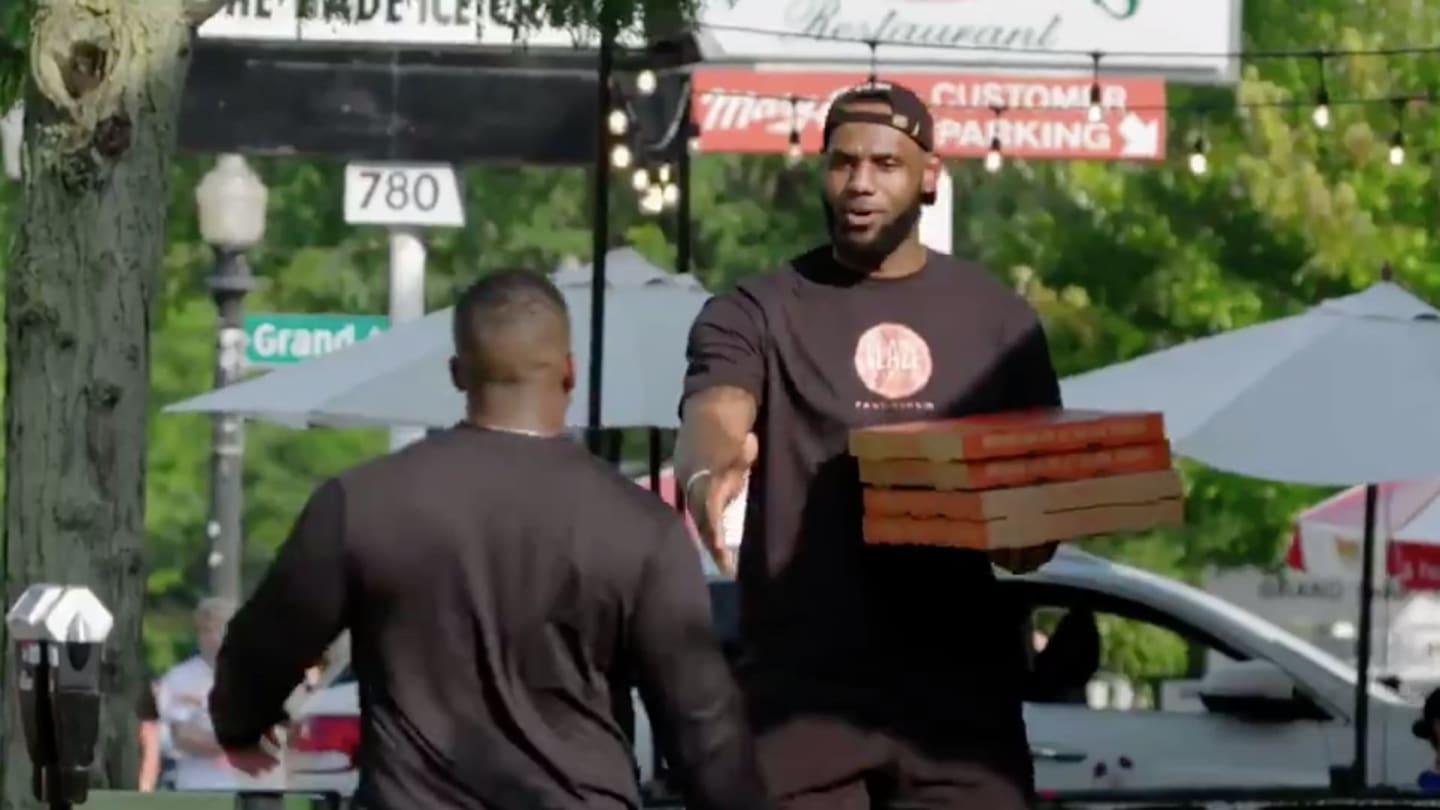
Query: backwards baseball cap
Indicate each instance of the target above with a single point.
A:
(907, 112)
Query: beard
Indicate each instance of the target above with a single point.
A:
(869, 253)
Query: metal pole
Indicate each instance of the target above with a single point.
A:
(1362, 667)
(600, 235)
(682, 211)
(229, 283)
(407, 301)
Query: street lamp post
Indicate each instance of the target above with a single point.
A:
(232, 202)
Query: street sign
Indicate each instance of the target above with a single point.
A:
(1045, 117)
(281, 339)
(403, 194)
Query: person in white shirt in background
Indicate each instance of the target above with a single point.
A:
(183, 698)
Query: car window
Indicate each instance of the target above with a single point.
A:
(1099, 650)
(1108, 660)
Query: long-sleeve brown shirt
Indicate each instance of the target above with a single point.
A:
(494, 584)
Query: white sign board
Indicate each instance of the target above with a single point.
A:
(403, 194)
(395, 22)
(1179, 39)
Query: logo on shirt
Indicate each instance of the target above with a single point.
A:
(893, 361)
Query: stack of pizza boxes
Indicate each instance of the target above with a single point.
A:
(1016, 479)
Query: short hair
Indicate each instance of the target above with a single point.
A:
(506, 320)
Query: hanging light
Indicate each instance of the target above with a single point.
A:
(1397, 148)
(994, 159)
(620, 156)
(652, 201)
(1397, 138)
(1096, 113)
(795, 152)
(670, 195)
(693, 144)
(1320, 116)
(645, 82)
(1199, 163)
(618, 122)
(640, 180)
(663, 173)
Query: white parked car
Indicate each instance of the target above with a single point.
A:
(320, 755)
(1268, 709)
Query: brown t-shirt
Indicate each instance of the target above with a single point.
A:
(886, 634)
(496, 586)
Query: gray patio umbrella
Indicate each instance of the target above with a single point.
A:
(1343, 393)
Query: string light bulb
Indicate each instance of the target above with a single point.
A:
(652, 201)
(640, 180)
(1096, 113)
(645, 82)
(994, 159)
(662, 174)
(620, 156)
(1397, 138)
(1320, 116)
(794, 153)
(670, 195)
(1397, 148)
(693, 144)
(617, 122)
(1199, 163)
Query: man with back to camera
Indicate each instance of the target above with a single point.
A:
(876, 676)
(493, 578)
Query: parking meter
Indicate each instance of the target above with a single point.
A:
(59, 633)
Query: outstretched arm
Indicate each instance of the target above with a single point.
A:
(724, 382)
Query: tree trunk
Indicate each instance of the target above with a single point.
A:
(102, 100)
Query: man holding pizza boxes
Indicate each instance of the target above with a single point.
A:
(880, 671)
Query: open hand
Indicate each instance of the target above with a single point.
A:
(714, 491)
(1023, 560)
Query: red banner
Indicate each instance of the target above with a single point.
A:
(1044, 117)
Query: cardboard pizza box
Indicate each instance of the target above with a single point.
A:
(1007, 435)
(1015, 472)
(1028, 530)
(1020, 502)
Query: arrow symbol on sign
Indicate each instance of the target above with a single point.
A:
(1141, 139)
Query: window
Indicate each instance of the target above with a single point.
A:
(1098, 650)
